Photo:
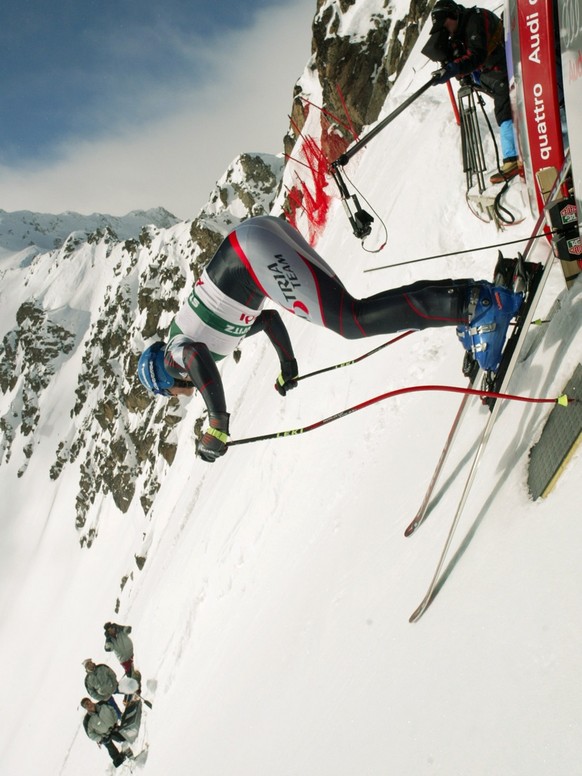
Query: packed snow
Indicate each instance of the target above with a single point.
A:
(270, 620)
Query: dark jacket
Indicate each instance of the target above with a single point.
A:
(478, 43)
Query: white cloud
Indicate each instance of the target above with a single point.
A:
(174, 160)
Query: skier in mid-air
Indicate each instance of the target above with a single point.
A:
(266, 258)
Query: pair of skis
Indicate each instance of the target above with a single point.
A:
(512, 350)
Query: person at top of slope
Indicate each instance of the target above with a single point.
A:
(101, 725)
(476, 48)
(266, 258)
(101, 683)
(117, 640)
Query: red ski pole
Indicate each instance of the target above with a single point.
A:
(563, 400)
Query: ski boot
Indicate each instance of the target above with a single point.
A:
(119, 759)
(510, 273)
(470, 365)
(490, 309)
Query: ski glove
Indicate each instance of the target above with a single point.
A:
(213, 442)
(450, 70)
(287, 378)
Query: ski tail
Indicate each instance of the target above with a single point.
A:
(424, 509)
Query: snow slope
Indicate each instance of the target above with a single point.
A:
(271, 616)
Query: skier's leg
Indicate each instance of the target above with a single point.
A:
(282, 265)
(116, 756)
(288, 271)
(423, 305)
(291, 273)
(507, 138)
(114, 705)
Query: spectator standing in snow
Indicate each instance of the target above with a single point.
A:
(477, 49)
(101, 683)
(100, 724)
(117, 640)
(265, 257)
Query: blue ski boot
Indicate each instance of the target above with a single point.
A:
(490, 310)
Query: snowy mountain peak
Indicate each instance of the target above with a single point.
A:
(44, 231)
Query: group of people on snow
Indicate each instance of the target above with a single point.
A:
(104, 722)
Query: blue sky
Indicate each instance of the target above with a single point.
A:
(94, 93)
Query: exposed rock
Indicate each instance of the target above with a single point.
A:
(355, 70)
(29, 358)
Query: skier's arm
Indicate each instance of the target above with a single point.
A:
(272, 324)
(197, 360)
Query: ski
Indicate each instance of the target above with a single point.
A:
(506, 272)
(135, 760)
(423, 510)
(511, 356)
(519, 334)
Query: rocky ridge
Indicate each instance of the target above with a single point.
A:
(118, 437)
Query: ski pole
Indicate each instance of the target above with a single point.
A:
(345, 157)
(466, 250)
(355, 360)
(360, 220)
(562, 400)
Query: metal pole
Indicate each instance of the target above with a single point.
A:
(345, 157)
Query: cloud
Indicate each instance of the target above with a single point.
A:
(172, 144)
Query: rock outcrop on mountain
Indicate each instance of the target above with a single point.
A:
(356, 64)
(88, 309)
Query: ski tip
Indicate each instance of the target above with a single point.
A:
(416, 521)
(422, 607)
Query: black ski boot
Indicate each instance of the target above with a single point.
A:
(511, 273)
(504, 270)
(470, 365)
(119, 759)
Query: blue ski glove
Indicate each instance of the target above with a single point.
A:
(213, 442)
(450, 70)
(286, 380)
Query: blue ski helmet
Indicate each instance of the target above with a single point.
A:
(152, 372)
